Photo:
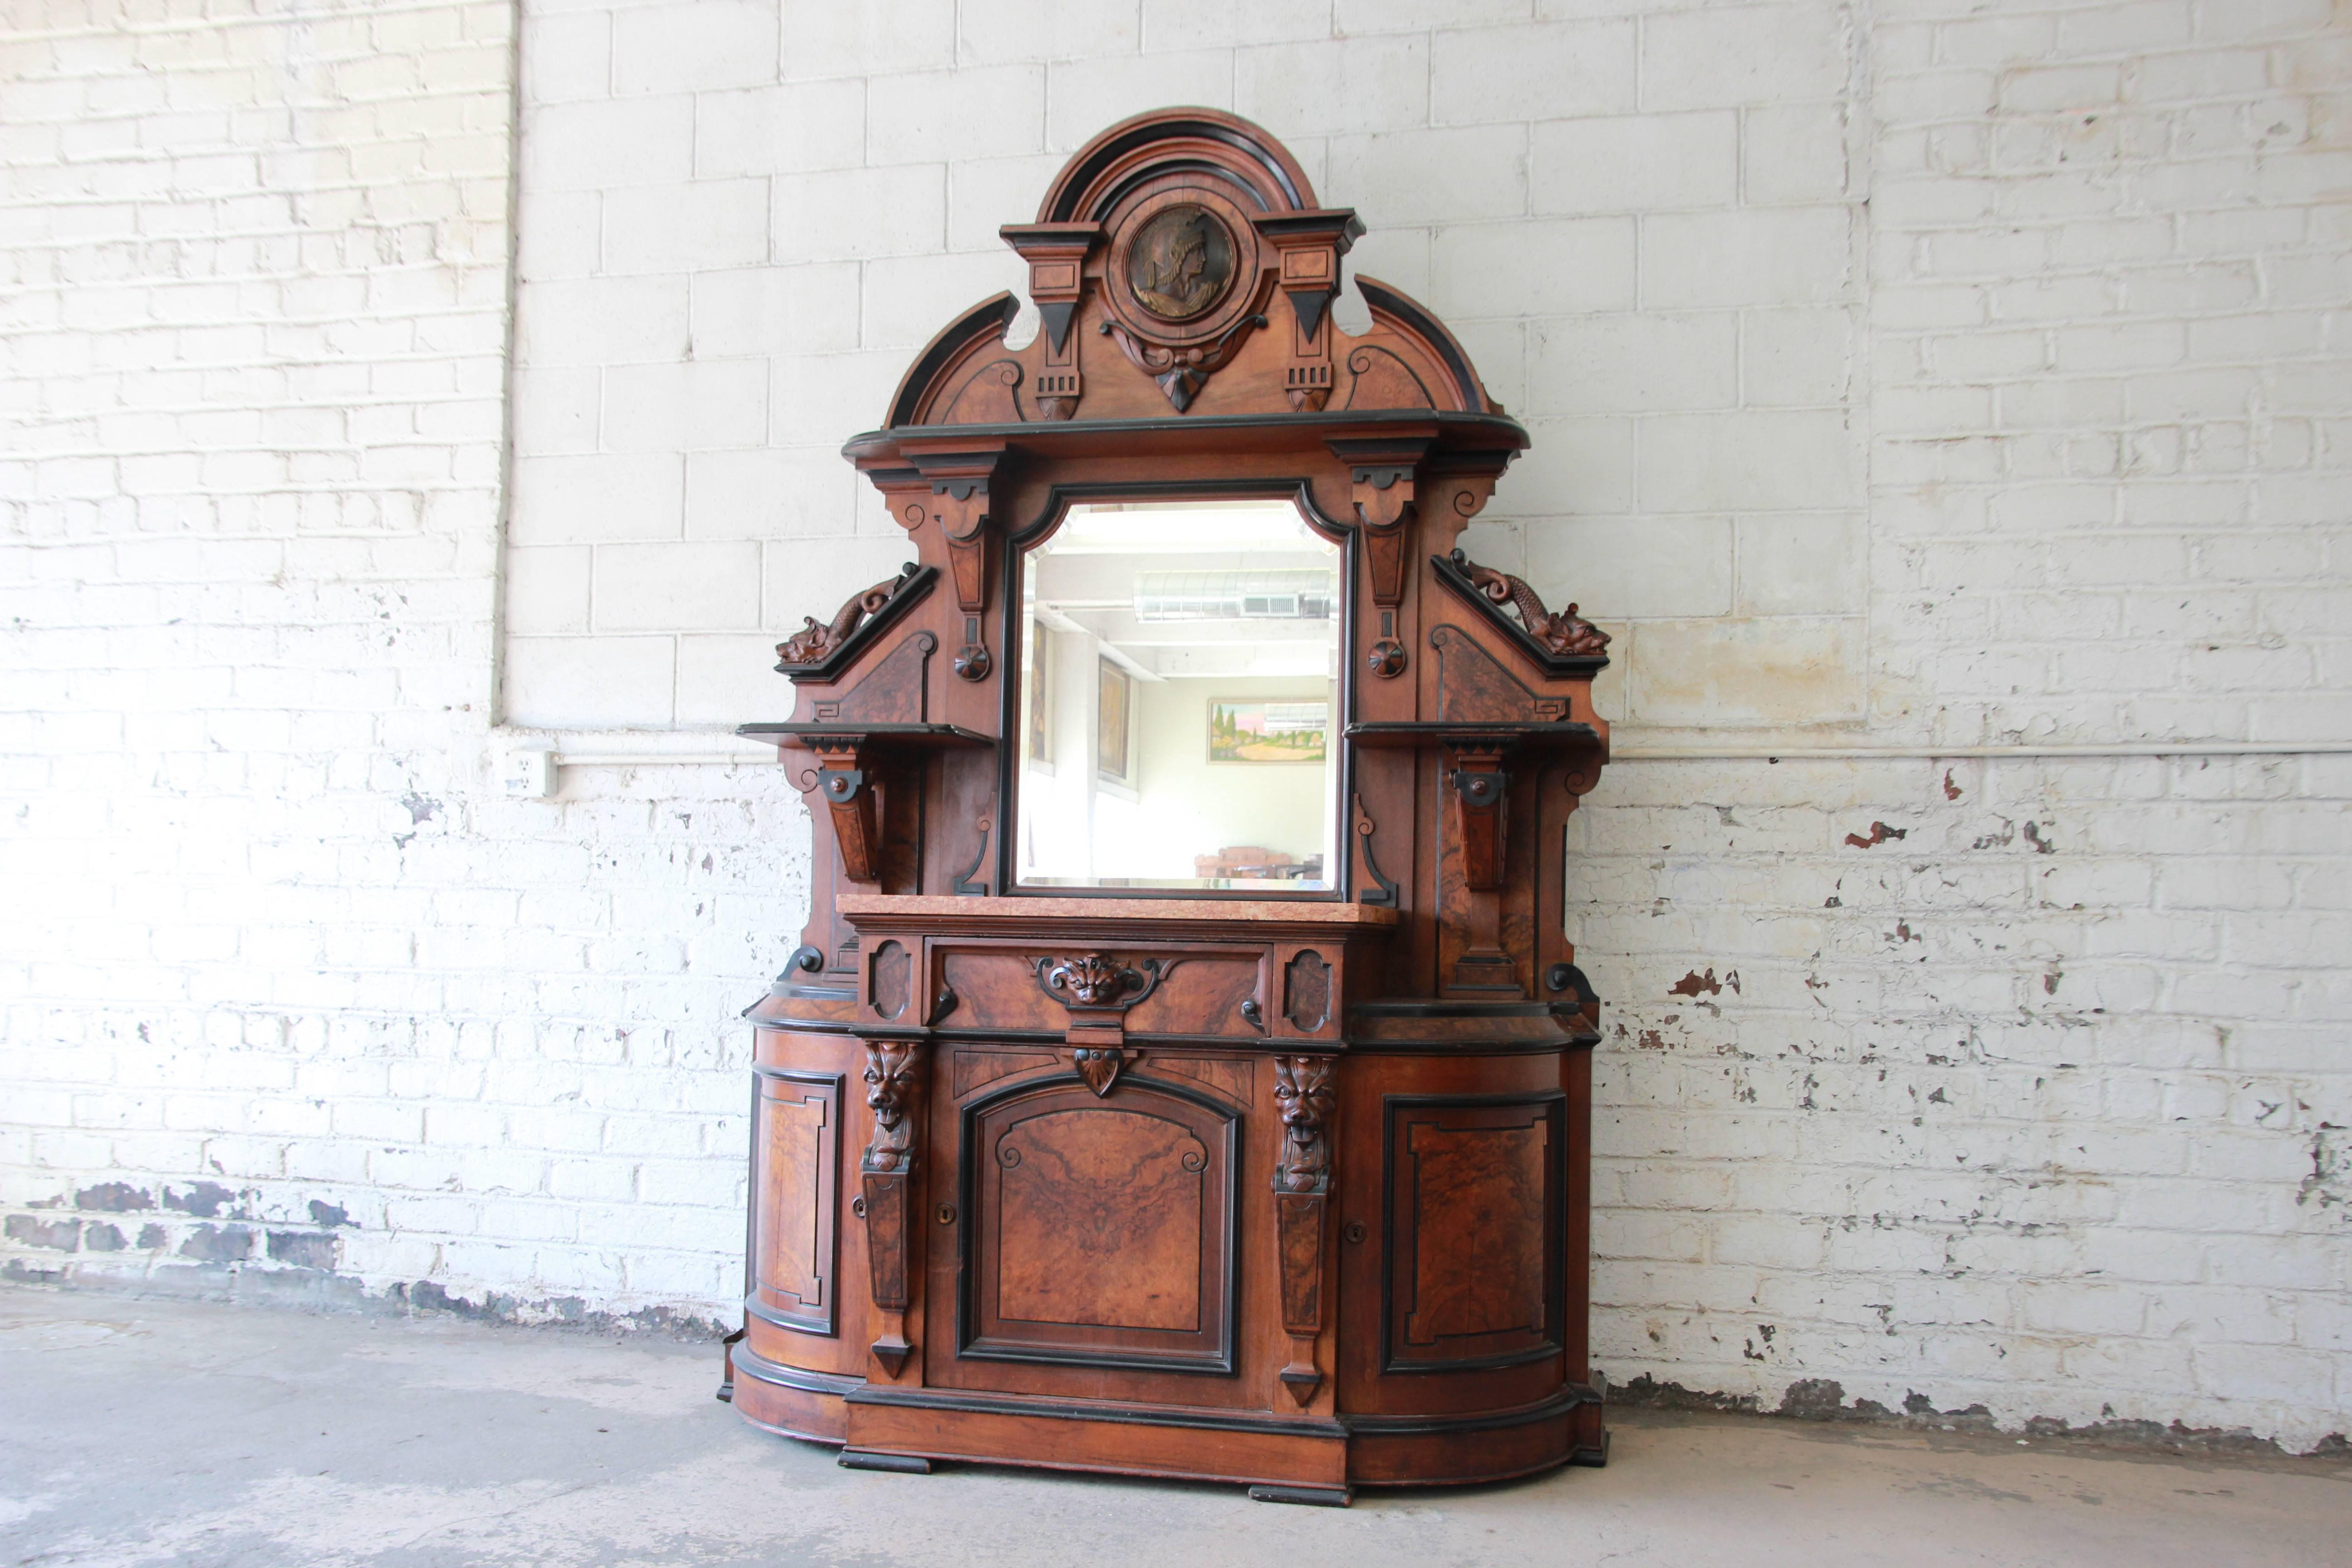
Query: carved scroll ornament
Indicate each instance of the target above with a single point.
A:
(1564, 634)
(814, 643)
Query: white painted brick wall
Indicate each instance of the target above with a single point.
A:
(1911, 372)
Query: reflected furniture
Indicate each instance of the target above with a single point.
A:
(1184, 1070)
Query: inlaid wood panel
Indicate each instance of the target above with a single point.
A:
(793, 1219)
(1474, 1218)
(977, 1067)
(1101, 1230)
(1228, 1078)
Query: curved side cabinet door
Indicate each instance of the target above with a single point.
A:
(1476, 1217)
(795, 1220)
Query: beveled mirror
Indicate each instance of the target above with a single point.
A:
(1178, 711)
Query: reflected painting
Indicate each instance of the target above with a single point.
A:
(1268, 731)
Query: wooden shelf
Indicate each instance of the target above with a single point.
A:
(1422, 733)
(916, 736)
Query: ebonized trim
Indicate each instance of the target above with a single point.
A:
(1455, 1008)
(760, 1369)
(1044, 437)
(1408, 732)
(992, 316)
(1091, 1410)
(1253, 1043)
(901, 734)
(1073, 180)
(1560, 1404)
(1429, 330)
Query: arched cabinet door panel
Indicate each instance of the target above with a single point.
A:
(1101, 1230)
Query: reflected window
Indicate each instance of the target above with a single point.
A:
(1180, 699)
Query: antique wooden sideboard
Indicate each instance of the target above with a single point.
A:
(1065, 1152)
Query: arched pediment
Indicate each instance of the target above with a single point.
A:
(1181, 267)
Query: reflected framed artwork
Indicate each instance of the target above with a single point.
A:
(1112, 720)
(1041, 699)
(1269, 731)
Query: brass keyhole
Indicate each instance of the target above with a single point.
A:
(857, 1207)
(947, 1213)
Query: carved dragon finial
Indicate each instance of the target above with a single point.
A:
(812, 644)
(1565, 634)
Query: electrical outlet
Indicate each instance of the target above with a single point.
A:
(528, 775)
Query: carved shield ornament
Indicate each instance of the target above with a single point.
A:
(1182, 263)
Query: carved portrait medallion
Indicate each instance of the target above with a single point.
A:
(1182, 263)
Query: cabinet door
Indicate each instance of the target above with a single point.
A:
(1101, 1230)
(792, 1209)
(1475, 1217)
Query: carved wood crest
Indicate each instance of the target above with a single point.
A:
(1097, 980)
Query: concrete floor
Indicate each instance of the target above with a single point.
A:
(139, 1432)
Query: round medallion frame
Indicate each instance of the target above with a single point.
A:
(1151, 211)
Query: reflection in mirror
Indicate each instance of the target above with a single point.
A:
(1179, 706)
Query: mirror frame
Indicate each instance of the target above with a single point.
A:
(1018, 541)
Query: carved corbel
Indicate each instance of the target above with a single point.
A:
(1384, 483)
(1056, 254)
(1304, 1099)
(959, 506)
(892, 1068)
(848, 792)
(951, 488)
(1476, 800)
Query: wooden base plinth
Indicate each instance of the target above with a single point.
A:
(1313, 1496)
(1131, 1442)
(1317, 1461)
(867, 1460)
(789, 1401)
